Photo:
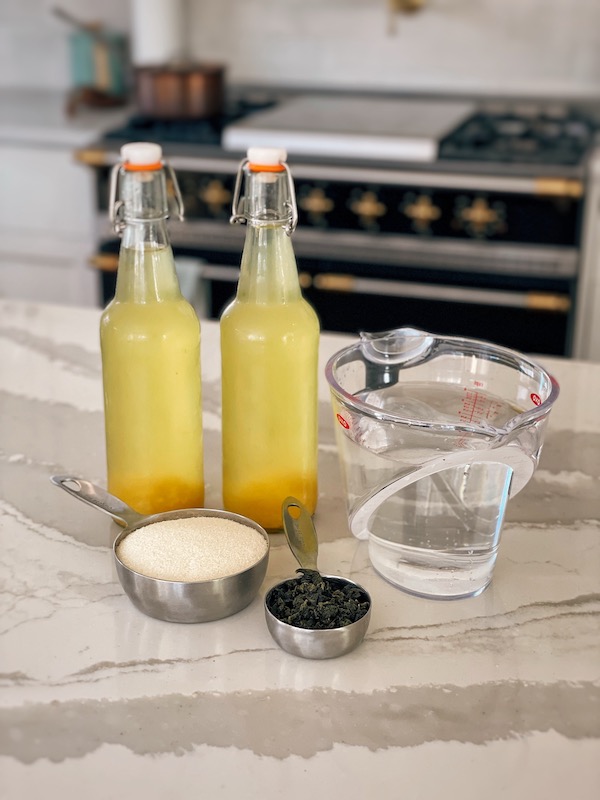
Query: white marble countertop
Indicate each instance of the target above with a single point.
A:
(496, 696)
(37, 116)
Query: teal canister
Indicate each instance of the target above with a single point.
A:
(98, 61)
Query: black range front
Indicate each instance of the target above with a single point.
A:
(485, 242)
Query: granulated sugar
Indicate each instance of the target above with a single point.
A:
(192, 549)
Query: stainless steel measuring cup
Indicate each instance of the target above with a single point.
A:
(434, 435)
(173, 601)
(312, 642)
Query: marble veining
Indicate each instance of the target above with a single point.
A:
(495, 696)
(275, 724)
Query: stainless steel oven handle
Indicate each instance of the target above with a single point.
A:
(218, 272)
(108, 262)
(542, 301)
(335, 282)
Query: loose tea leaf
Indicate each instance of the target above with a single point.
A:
(314, 601)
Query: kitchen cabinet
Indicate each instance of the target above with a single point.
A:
(46, 199)
(46, 226)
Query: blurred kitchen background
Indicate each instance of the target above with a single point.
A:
(446, 152)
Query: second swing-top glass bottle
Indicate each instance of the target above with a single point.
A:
(269, 351)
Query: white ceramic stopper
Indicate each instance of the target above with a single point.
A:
(141, 153)
(266, 156)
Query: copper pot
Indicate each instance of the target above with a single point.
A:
(180, 91)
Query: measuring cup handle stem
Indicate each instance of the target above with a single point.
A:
(300, 533)
(98, 498)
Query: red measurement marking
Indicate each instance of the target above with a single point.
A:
(478, 383)
(342, 421)
(472, 406)
(536, 399)
(476, 407)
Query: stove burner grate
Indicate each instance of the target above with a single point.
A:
(542, 138)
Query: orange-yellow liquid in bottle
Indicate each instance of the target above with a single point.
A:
(270, 447)
(269, 351)
(150, 342)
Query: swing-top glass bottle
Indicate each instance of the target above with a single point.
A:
(269, 351)
(150, 342)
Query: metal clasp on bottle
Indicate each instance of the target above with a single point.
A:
(238, 215)
(117, 207)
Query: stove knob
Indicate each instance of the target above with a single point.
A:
(368, 208)
(479, 218)
(316, 204)
(216, 197)
(421, 211)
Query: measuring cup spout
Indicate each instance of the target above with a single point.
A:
(94, 496)
(398, 346)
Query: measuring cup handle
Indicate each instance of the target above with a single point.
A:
(98, 498)
(521, 464)
(300, 533)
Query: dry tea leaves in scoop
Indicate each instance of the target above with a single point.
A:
(316, 602)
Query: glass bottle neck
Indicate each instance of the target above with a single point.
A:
(268, 271)
(267, 198)
(150, 233)
(146, 270)
(143, 194)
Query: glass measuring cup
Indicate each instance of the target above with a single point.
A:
(434, 434)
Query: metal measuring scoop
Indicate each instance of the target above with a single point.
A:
(172, 601)
(312, 642)
(300, 533)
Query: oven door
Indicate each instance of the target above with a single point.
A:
(530, 314)
(517, 295)
(531, 318)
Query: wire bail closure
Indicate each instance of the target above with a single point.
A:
(116, 208)
(238, 216)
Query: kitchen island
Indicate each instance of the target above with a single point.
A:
(496, 696)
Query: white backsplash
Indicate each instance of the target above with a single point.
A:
(499, 46)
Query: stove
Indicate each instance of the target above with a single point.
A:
(198, 132)
(553, 136)
(485, 238)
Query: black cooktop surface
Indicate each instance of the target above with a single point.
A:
(186, 131)
(540, 136)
